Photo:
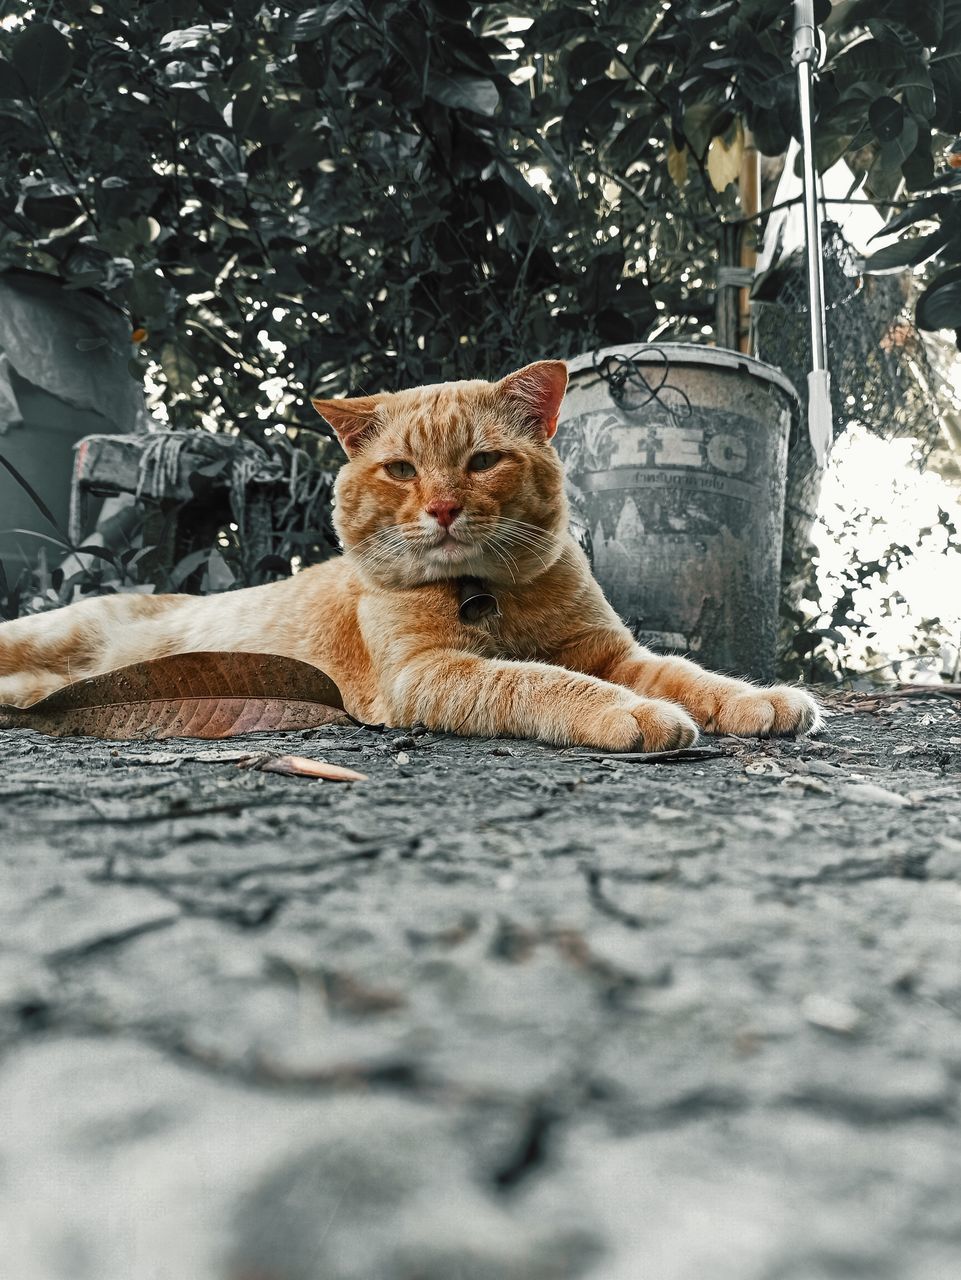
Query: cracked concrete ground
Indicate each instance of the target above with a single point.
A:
(501, 1012)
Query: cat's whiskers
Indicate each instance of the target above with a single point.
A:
(388, 545)
(541, 546)
(503, 556)
(385, 531)
(402, 547)
(533, 531)
(553, 542)
(543, 563)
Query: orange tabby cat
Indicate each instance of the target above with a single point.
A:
(442, 484)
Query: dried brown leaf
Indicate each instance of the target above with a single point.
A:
(724, 157)
(188, 695)
(677, 164)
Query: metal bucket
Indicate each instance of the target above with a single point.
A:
(676, 458)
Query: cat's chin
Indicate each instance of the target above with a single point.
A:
(453, 559)
(450, 549)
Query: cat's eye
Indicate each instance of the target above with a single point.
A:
(483, 461)
(400, 470)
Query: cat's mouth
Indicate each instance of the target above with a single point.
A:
(445, 540)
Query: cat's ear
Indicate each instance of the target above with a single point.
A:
(354, 420)
(538, 389)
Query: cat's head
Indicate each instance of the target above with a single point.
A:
(454, 480)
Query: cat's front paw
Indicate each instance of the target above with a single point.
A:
(759, 713)
(649, 725)
(664, 726)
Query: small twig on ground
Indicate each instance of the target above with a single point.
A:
(302, 767)
(652, 757)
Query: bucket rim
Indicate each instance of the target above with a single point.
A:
(691, 354)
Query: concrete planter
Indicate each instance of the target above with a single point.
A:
(677, 457)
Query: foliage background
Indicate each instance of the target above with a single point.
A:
(293, 198)
(385, 193)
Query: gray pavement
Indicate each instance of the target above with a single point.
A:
(502, 1012)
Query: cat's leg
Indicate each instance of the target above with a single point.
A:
(475, 696)
(719, 704)
(43, 652)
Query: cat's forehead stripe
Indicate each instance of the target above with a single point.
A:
(430, 421)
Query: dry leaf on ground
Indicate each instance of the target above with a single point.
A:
(188, 695)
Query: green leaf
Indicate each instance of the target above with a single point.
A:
(699, 121)
(43, 57)
(635, 299)
(179, 369)
(946, 71)
(924, 18)
(878, 63)
(553, 30)
(918, 167)
(590, 108)
(919, 98)
(599, 282)
(247, 106)
(51, 212)
(632, 141)
(305, 150)
(928, 207)
(896, 34)
(887, 119)
(467, 93)
(829, 147)
(939, 307)
(898, 150)
(910, 252)
(313, 22)
(312, 67)
(589, 60)
(772, 128)
(946, 78)
(613, 326)
(452, 10)
(11, 86)
(192, 37)
(460, 44)
(193, 109)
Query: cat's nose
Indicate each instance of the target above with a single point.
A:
(444, 512)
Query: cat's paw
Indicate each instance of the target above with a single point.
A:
(664, 726)
(760, 713)
(648, 725)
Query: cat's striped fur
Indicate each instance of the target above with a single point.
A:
(382, 619)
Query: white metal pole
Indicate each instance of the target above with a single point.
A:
(805, 58)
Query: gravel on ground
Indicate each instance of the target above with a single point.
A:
(501, 1012)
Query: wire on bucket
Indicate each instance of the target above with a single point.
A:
(631, 387)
